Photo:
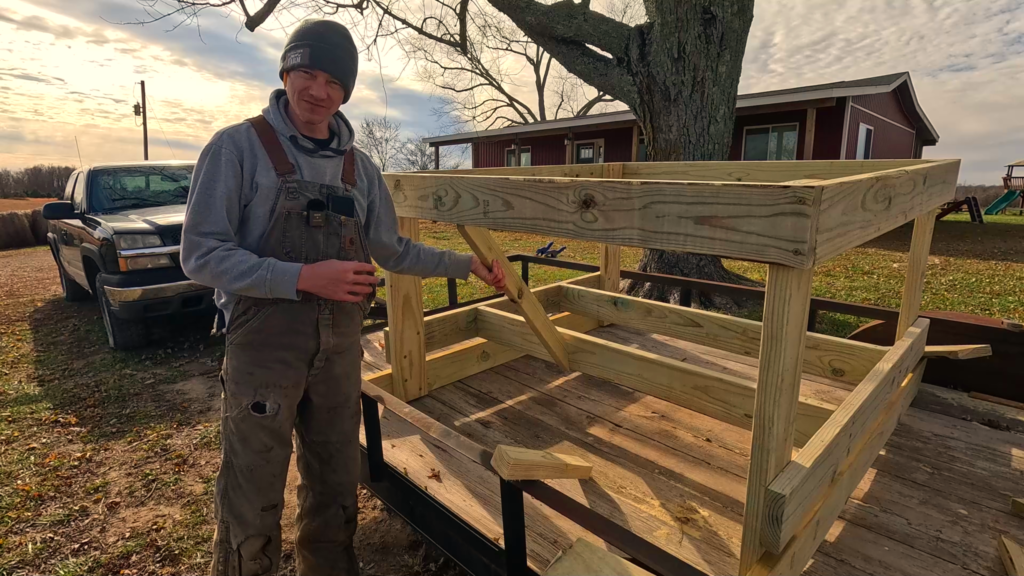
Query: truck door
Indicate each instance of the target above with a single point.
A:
(72, 234)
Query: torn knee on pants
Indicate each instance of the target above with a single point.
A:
(263, 408)
(253, 557)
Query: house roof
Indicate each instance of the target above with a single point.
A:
(875, 85)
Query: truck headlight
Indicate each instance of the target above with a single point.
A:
(134, 241)
(145, 262)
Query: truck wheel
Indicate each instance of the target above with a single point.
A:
(121, 334)
(73, 291)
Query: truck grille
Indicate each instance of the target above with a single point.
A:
(171, 237)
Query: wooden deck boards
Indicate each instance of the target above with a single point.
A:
(934, 503)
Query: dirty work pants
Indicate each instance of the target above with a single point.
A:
(289, 365)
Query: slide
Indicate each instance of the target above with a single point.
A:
(1002, 202)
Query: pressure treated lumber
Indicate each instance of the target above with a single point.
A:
(587, 559)
(856, 209)
(958, 351)
(1012, 555)
(786, 307)
(764, 172)
(837, 358)
(405, 317)
(517, 463)
(458, 325)
(473, 356)
(724, 397)
(801, 547)
(611, 265)
(917, 264)
(1017, 506)
(762, 222)
(488, 250)
(795, 494)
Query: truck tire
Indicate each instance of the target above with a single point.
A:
(121, 334)
(73, 291)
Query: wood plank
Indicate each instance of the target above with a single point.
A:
(472, 356)
(786, 307)
(795, 494)
(763, 172)
(917, 265)
(958, 351)
(997, 400)
(1012, 555)
(802, 546)
(859, 208)
(517, 463)
(610, 267)
(812, 114)
(405, 317)
(1017, 506)
(724, 397)
(586, 558)
(488, 250)
(826, 356)
(960, 405)
(762, 222)
(454, 326)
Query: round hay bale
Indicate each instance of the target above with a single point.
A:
(39, 226)
(16, 230)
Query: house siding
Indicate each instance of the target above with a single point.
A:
(828, 131)
(889, 141)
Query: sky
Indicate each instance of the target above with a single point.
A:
(70, 69)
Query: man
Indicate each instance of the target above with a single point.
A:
(283, 217)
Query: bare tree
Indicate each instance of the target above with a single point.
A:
(39, 181)
(381, 139)
(678, 71)
(418, 155)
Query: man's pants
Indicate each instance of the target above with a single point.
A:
(289, 365)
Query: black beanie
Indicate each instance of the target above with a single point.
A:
(323, 45)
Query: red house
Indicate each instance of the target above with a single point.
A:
(876, 117)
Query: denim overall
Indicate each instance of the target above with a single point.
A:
(293, 365)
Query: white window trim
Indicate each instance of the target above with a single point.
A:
(743, 146)
(521, 148)
(859, 149)
(598, 142)
(877, 115)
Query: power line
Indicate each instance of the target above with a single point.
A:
(160, 126)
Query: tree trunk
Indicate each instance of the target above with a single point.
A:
(686, 66)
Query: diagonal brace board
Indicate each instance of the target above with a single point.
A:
(488, 250)
(796, 493)
(727, 398)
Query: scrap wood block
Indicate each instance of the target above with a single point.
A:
(1012, 555)
(585, 558)
(514, 463)
(958, 351)
(1017, 506)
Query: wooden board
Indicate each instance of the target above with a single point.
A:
(1017, 506)
(958, 351)
(1012, 555)
(762, 222)
(826, 356)
(917, 265)
(801, 547)
(405, 317)
(517, 463)
(727, 398)
(584, 558)
(797, 492)
(489, 251)
(776, 406)
(856, 209)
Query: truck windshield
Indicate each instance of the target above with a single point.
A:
(113, 189)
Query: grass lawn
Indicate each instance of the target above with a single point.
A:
(978, 269)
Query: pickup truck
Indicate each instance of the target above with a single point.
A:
(116, 236)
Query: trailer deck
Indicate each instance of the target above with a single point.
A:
(934, 502)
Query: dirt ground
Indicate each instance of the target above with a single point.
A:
(107, 459)
(7, 204)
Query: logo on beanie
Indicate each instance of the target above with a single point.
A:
(296, 57)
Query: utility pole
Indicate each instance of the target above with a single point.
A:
(141, 111)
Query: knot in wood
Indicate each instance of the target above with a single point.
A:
(838, 372)
(588, 203)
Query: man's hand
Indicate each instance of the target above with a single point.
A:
(494, 277)
(338, 280)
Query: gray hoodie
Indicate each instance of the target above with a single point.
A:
(233, 192)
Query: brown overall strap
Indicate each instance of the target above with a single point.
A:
(268, 138)
(348, 169)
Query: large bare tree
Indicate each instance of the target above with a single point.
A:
(678, 70)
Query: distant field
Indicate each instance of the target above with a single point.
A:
(11, 204)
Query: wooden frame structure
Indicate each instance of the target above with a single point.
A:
(790, 215)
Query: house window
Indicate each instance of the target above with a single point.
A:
(524, 156)
(770, 142)
(589, 152)
(865, 137)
